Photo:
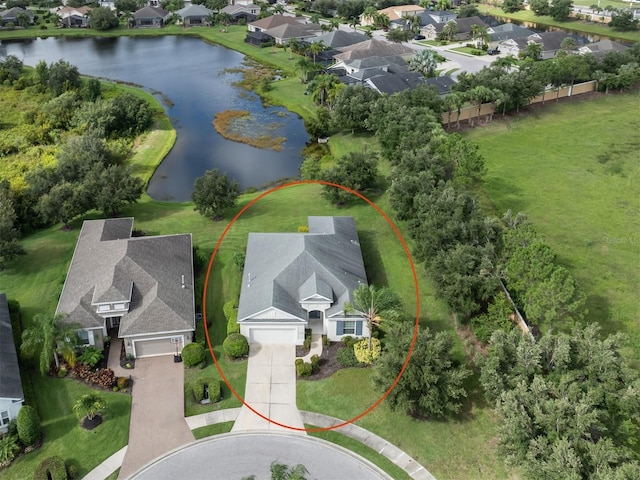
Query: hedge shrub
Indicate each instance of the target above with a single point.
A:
(347, 358)
(193, 354)
(51, 468)
(365, 355)
(235, 345)
(29, 429)
(9, 448)
(315, 363)
(231, 314)
(215, 389)
(304, 369)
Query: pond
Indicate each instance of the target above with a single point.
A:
(190, 77)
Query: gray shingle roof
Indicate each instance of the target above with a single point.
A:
(339, 38)
(10, 384)
(146, 270)
(151, 12)
(282, 268)
(194, 11)
(372, 48)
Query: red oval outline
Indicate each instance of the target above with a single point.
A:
(415, 282)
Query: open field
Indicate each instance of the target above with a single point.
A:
(573, 168)
(63, 435)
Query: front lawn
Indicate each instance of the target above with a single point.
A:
(63, 435)
(573, 168)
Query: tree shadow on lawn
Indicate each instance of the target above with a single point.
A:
(475, 398)
(60, 428)
(505, 195)
(372, 259)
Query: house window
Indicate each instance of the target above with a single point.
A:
(104, 308)
(4, 418)
(349, 328)
(119, 306)
(83, 335)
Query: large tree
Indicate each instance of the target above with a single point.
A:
(352, 107)
(112, 188)
(213, 193)
(103, 18)
(47, 337)
(357, 171)
(432, 384)
(560, 9)
(570, 404)
(375, 305)
(9, 234)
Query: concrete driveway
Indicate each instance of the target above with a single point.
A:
(270, 389)
(157, 412)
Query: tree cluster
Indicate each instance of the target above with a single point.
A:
(92, 133)
(570, 404)
(213, 193)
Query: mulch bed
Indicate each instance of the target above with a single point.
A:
(91, 424)
(328, 362)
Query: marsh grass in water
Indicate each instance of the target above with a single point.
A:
(241, 126)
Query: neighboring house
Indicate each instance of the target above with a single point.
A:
(508, 31)
(154, 17)
(11, 395)
(283, 34)
(395, 13)
(442, 16)
(274, 21)
(601, 48)
(74, 17)
(392, 82)
(465, 25)
(339, 38)
(194, 15)
(372, 48)
(294, 281)
(549, 41)
(139, 288)
(247, 12)
(442, 84)
(10, 16)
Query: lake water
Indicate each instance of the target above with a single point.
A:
(191, 75)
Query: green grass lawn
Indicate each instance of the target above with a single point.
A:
(570, 24)
(573, 168)
(461, 448)
(63, 435)
(468, 51)
(209, 430)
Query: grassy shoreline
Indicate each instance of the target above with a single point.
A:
(572, 24)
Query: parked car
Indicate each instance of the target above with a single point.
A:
(419, 37)
(493, 51)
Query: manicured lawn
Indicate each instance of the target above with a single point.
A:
(570, 24)
(469, 51)
(573, 168)
(63, 435)
(210, 430)
(461, 448)
(361, 449)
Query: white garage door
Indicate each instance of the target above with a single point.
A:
(273, 335)
(151, 348)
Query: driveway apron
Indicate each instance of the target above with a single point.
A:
(270, 389)
(157, 412)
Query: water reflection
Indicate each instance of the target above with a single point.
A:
(191, 74)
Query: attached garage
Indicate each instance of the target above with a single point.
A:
(273, 335)
(156, 346)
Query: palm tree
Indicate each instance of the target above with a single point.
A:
(324, 88)
(533, 51)
(479, 95)
(424, 61)
(354, 22)
(278, 9)
(304, 65)
(381, 20)
(449, 30)
(505, 63)
(315, 48)
(369, 13)
(335, 24)
(48, 336)
(374, 305)
(442, 5)
(280, 471)
(88, 405)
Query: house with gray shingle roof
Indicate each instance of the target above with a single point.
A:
(11, 395)
(153, 17)
(138, 288)
(195, 15)
(293, 281)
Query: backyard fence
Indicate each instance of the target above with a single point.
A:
(487, 110)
